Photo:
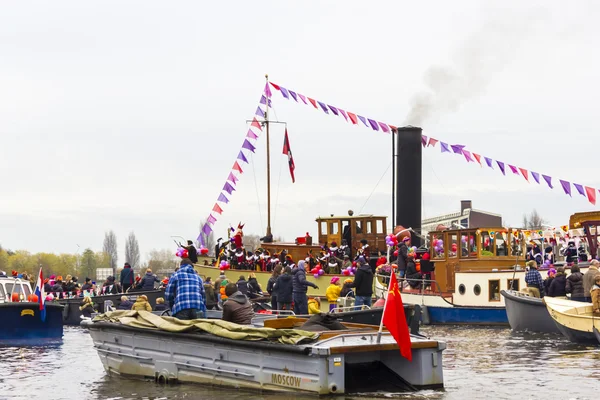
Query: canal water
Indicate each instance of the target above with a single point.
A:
(480, 363)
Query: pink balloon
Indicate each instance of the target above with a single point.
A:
(321, 272)
(316, 275)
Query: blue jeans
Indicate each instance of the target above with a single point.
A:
(362, 300)
(189, 313)
(300, 303)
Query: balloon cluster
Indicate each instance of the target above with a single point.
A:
(181, 252)
(350, 271)
(548, 263)
(438, 246)
(204, 251)
(391, 240)
(224, 265)
(317, 271)
(412, 251)
(464, 239)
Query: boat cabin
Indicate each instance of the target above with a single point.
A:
(589, 223)
(9, 285)
(351, 228)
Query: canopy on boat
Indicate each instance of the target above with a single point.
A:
(147, 320)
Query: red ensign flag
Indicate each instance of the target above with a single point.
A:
(395, 320)
(288, 152)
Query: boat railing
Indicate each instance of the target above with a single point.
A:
(350, 308)
(424, 287)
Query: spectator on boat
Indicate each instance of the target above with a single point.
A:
(299, 288)
(533, 279)
(242, 285)
(548, 255)
(413, 277)
(47, 286)
(141, 304)
(595, 296)
(254, 289)
(87, 286)
(211, 296)
(57, 288)
(363, 283)
(333, 292)
(283, 289)
(347, 290)
(559, 284)
(271, 285)
(125, 304)
(87, 307)
(364, 250)
(588, 279)
(192, 251)
(570, 252)
(582, 253)
(163, 284)
(185, 292)
(160, 305)
(237, 308)
(574, 284)
(314, 306)
(147, 282)
(402, 258)
(218, 286)
(548, 281)
(127, 277)
(346, 262)
(110, 286)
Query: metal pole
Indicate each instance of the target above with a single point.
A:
(393, 179)
(384, 307)
(268, 165)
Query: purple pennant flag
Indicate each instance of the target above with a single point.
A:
(536, 176)
(580, 189)
(211, 220)
(259, 112)
(373, 124)
(263, 101)
(293, 94)
(364, 120)
(566, 187)
(223, 199)
(424, 140)
(303, 98)
(284, 92)
(444, 147)
(548, 180)
(333, 109)
(457, 148)
(513, 169)
(248, 146)
(324, 107)
(251, 134)
(231, 178)
(384, 127)
(200, 239)
(242, 157)
(268, 91)
(206, 229)
(488, 161)
(228, 188)
(467, 155)
(344, 114)
(501, 165)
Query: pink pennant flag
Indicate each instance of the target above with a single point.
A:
(424, 140)
(236, 167)
(217, 209)
(467, 155)
(231, 178)
(513, 169)
(256, 124)
(344, 114)
(525, 173)
(313, 102)
(275, 86)
(251, 134)
(591, 194)
(432, 142)
(352, 117)
(211, 219)
(303, 98)
(478, 158)
(384, 127)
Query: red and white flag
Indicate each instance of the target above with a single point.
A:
(288, 152)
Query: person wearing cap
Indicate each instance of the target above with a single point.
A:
(346, 262)
(595, 296)
(299, 288)
(363, 283)
(192, 251)
(126, 277)
(333, 292)
(548, 280)
(589, 278)
(533, 279)
(364, 250)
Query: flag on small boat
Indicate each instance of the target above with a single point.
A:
(288, 152)
(395, 320)
(39, 291)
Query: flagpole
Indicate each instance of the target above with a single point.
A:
(268, 165)
(384, 308)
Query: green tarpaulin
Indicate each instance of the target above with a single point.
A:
(217, 327)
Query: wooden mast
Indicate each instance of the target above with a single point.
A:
(266, 122)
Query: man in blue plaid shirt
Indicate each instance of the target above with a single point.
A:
(533, 279)
(185, 292)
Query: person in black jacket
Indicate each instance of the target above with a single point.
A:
(147, 282)
(271, 284)
(559, 284)
(126, 277)
(242, 285)
(254, 290)
(412, 275)
(283, 289)
(299, 288)
(402, 258)
(192, 252)
(548, 280)
(125, 303)
(363, 283)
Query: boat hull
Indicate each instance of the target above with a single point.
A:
(265, 366)
(22, 321)
(72, 314)
(457, 315)
(526, 313)
(573, 319)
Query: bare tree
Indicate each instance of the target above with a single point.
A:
(209, 240)
(110, 249)
(252, 242)
(162, 260)
(533, 221)
(132, 251)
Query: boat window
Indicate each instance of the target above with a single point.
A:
(380, 226)
(487, 244)
(323, 228)
(464, 223)
(516, 244)
(468, 245)
(477, 290)
(369, 227)
(500, 241)
(2, 294)
(359, 228)
(453, 245)
(462, 289)
(509, 283)
(334, 228)
(494, 290)
(27, 290)
(437, 246)
(18, 289)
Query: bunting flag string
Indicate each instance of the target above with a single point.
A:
(350, 117)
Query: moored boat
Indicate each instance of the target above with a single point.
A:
(573, 319)
(527, 313)
(320, 363)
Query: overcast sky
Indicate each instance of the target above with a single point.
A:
(128, 115)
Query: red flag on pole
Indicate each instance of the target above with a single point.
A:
(395, 320)
(288, 152)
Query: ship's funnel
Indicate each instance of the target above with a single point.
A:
(408, 179)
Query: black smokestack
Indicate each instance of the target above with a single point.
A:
(408, 180)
